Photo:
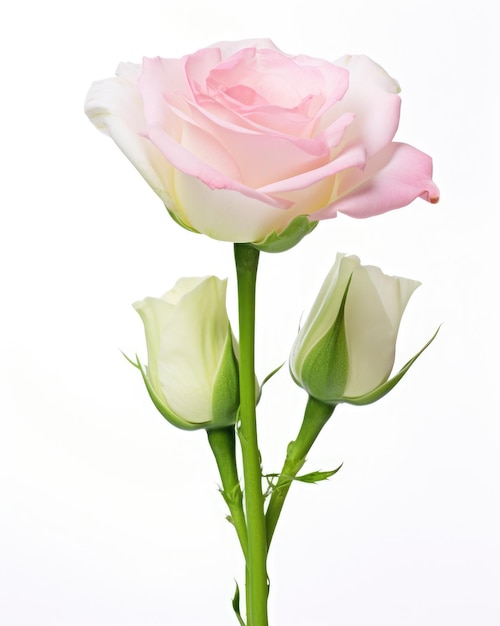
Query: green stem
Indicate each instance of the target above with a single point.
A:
(315, 417)
(247, 259)
(222, 442)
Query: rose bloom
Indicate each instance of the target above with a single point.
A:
(239, 138)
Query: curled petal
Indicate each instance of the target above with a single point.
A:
(391, 180)
(372, 97)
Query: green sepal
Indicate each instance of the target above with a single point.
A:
(384, 388)
(259, 388)
(167, 413)
(269, 376)
(316, 477)
(134, 363)
(236, 605)
(289, 237)
(325, 369)
(178, 220)
(226, 387)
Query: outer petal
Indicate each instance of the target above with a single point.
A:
(114, 107)
(391, 180)
(372, 97)
(163, 82)
(155, 313)
(190, 352)
(226, 214)
(373, 312)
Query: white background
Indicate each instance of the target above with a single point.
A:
(108, 515)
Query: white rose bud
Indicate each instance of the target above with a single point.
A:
(345, 350)
(192, 372)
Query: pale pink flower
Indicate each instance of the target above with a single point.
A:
(239, 138)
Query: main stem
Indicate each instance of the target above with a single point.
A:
(247, 259)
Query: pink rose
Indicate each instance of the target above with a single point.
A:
(239, 139)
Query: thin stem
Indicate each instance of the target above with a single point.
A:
(247, 258)
(222, 442)
(315, 417)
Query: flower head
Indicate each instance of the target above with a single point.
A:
(240, 139)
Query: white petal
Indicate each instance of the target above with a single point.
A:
(374, 308)
(114, 106)
(190, 350)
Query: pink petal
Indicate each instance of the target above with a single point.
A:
(352, 158)
(161, 76)
(391, 180)
(335, 133)
(188, 163)
(331, 80)
(372, 97)
(228, 48)
(198, 67)
(259, 158)
(215, 118)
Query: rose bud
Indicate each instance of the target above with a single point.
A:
(345, 350)
(192, 371)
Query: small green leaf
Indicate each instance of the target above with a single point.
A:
(312, 477)
(236, 605)
(289, 237)
(316, 477)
